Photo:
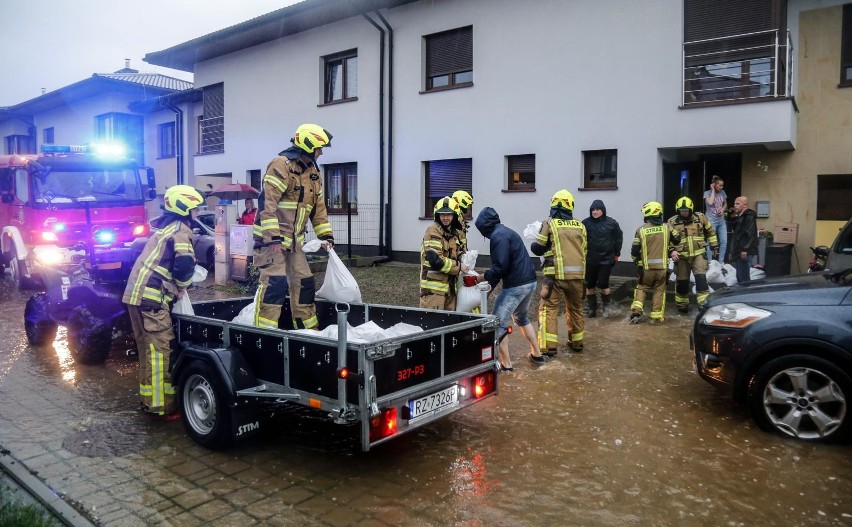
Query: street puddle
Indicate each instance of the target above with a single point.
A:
(106, 438)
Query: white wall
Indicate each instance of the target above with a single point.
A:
(553, 78)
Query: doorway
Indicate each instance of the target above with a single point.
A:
(691, 177)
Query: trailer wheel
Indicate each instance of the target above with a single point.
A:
(89, 336)
(205, 415)
(40, 327)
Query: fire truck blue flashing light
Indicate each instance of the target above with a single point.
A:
(105, 236)
(98, 149)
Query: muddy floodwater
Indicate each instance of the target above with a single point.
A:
(623, 434)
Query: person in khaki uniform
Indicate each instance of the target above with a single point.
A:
(465, 201)
(291, 195)
(440, 252)
(562, 241)
(653, 243)
(696, 235)
(160, 275)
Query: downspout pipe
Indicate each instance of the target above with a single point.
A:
(382, 244)
(388, 231)
(178, 143)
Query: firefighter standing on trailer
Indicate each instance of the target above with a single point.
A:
(440, 254)
(291, 195)
(160, 275)
(696, 235)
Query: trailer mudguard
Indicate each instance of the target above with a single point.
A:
(233, 374)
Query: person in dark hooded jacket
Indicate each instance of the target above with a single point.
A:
(602, 252)
(510, 263)
(744, 239)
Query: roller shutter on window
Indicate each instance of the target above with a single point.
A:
(449, 52)
(449, 175)
(213, 123)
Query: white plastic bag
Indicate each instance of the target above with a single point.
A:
(730, 273)
(714, 272)
(199, 275)
(531, 230)
(339, 284)
(183, 306)
(756, 274)
(468, 298)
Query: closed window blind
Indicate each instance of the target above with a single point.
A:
(213, 122)
(449, 52)
(714, 19)
(447, 176)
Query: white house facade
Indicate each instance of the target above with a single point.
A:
(617, 100)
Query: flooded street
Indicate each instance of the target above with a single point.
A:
(622, 434)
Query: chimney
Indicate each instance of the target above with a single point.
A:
(127, 68)
(127, 63)
(43, 91)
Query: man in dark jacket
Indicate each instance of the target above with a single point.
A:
(604, 238)
(744, 239)
(510, 263)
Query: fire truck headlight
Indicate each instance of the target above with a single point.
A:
(48, 255)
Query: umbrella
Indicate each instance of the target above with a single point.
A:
(234, 191)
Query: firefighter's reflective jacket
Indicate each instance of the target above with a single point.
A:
(292, 194)
(462, 234)
(652, 245)
(695, 234)
(439, 259)
(165, 265)
(564, 241)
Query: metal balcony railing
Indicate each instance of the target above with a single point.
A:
(750, 66)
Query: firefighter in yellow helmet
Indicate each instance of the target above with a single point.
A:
(160, 275)
(291, 195)
(440, 254)
(562, 241)
(653, 244)
(696, 235)
(465, 201)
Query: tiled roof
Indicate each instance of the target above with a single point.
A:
(148, 79)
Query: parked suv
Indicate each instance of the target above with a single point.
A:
(840, 256)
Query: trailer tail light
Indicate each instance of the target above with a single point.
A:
(141, 230)
(383, 425)
(483, 384)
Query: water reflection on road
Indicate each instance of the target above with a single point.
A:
(623, 434)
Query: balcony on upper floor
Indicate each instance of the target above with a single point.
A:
(750, 67)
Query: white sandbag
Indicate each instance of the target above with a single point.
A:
(467, 298)
(246, 315)
(312, 246)
(199, 275)
(339, 284)
(756, 274)
(531, 230)
(730, 273)
(714, 272)
(401, 329)
(183, 306)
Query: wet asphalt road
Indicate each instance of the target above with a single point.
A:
(623, 434)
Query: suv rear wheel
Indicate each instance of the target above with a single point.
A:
(804, 397)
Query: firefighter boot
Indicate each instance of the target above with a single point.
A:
(591, 308)
(608, 308)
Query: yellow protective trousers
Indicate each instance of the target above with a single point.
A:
(653, 281)
(153, 333)
(552, 292)
(278, 270)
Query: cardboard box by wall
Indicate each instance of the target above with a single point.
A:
(785, 233)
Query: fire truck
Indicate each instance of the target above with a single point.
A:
(73, 221)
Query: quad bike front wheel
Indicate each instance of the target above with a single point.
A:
(89, 336)
(38, 324)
